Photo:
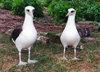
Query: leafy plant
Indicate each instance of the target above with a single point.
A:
(95, 11)
(58, 10)
(81, 9)
(0, 1)
(86, 10)
(19, 5)
(46, 2)
(7, 4)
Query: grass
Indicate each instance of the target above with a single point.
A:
(97, 35)
(48, 57)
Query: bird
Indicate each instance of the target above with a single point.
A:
(25, 36)
(83, 32)
(70, 35)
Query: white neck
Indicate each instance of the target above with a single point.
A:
(71, 22)
(28, 22)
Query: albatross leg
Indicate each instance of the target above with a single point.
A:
(29, 60)
(20, 61)
(75, 58)
(64, 57)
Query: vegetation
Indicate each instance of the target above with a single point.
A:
(47, 2)
(58, 9)
(17, 6)
(86, 10)
(49, 57)
(7, 4)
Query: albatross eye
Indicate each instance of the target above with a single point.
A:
(72, 11)
(27, 10)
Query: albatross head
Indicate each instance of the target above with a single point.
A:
(71, 12)
(29, 10)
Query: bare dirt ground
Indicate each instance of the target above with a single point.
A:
(9, 21)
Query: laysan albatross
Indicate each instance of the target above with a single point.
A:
(24, 38)
(70, 35)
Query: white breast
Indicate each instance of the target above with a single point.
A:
(70, 35)
(26, 39)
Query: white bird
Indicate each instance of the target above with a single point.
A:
(70, 35)
(24, 38)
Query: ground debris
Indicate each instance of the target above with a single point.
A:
(9, 21)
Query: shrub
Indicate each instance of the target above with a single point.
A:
(58, 10)
(0, 1)
(19, 5)
(94, 12)
(86, 10)
(81, 9)
(46, 2)
(7, 4)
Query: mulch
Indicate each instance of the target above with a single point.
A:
(9, 21)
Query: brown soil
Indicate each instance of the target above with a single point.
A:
(9, 21)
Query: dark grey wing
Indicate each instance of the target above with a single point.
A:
(15, 33)
(84, 32)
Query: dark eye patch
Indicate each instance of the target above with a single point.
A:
(28, 10)
(72, 11)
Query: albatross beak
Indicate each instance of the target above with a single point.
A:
(31, 13)
(68, 13)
